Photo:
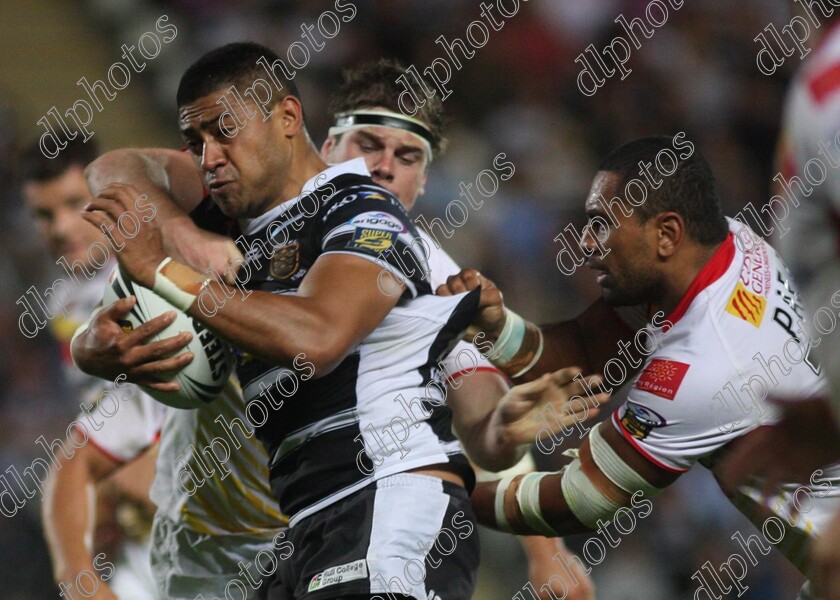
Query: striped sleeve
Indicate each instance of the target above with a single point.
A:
(372, 224)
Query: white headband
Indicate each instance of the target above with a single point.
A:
(357, 119)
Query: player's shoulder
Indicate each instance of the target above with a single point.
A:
(682, 376)
(349, 183)
(741, 301)
(687, 403)
(353, 195)
(688, 362)
(751, 281)
(820, 77)
(759, 303)
(669, 409)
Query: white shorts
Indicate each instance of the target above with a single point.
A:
(404, 536)
(186, 564)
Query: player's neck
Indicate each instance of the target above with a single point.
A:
(682, 272)
(305, 164)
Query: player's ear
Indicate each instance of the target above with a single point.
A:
(422, 189)
(327, 148)
(288, 116)
(670, 230)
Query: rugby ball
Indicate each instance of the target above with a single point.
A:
(204, 378)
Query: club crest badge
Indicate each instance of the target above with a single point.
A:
(285, 262)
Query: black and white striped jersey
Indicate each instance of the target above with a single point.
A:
(382, 410)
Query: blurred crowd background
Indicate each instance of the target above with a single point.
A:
(518, 95)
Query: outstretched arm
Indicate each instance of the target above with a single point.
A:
(114, 462)
(497, 434)
(608, 474)
(554, 571)
(173, 186)
(525, 351)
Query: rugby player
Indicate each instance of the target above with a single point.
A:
(719, 306)
(247, 324)
(176, 530)
(202, 535)
(368, 123)
(55, 190)
(808, 435)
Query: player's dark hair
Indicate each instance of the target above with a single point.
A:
(34, 166)
(691, 190)
(233, 65)
(375, 84)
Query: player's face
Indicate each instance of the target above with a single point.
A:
(243, 158)
(395, 158)
(628, 273)
(56, 206)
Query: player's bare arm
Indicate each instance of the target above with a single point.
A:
(68, 513)
(548, 505)
(496, 424)
(588, 341)
(151, 169)
(472, 399)
(172, 183)
(542, 570)
(804, 439)
(337, 305)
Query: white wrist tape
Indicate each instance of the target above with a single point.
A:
(536, 358)
(528, 498)
(499, 505)
(169, 291)
(509, 341)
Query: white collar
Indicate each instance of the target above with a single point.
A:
(355, 166)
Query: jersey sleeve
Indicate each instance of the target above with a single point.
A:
(125, 433)
(373, 225)
(463, 361)
(674, 415)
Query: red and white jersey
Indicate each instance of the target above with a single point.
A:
(810, 150)
(712, 363)
(121, 421)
